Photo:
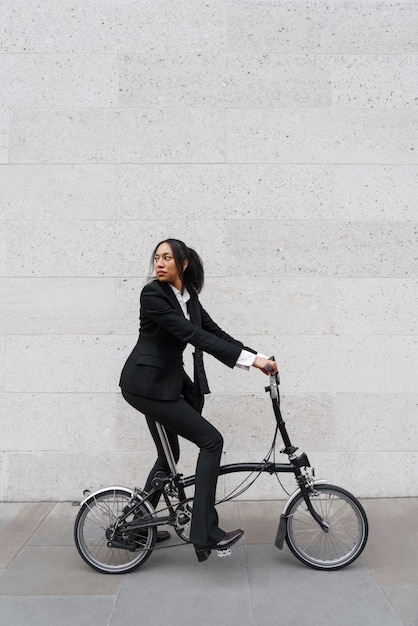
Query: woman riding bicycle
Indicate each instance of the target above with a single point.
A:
(154, 382)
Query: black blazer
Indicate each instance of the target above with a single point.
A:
(154, 368)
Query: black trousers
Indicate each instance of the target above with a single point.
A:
(179, 418)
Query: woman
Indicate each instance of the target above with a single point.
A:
(153, 379)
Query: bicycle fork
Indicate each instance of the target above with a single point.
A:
(307, 487)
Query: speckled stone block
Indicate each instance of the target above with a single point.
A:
(109, 247)
(343, 249)
(381, 249)
(377, 81)
(2, 364)
(349, 26)
(370, 26)
(376, 192)
(187, 80)
(238, 192)
(3, 246)
(124, 26)
(5, 25)
(377, 364)
(65, 363)
(58, 80)
(274, 27)
(352, 471)
(383, 422)
(377, 305)
(284, 80)
(58, 476)
(283, 306)
(55, 192)
(46, 27)
(4, 135)
(225, 80)
(58, 422)
(36, 306)
(322, 135)
(117, 135)
(293, 249)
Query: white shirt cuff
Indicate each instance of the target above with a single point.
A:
(246, 359)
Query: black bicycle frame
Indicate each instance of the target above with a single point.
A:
(295, 465)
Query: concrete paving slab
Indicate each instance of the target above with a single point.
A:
(54, 611)
(54, 571)
(391, 552)
(174, 588)
(8, 512)
(57, 528)
(17, 526)
(405, 602)
(286, 591)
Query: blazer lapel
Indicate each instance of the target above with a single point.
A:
(172, 296)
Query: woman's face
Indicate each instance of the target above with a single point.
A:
(165, 266)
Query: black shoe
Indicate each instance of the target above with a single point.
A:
(227, 541)
(202, 554)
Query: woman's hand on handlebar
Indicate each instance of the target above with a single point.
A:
(261, 363)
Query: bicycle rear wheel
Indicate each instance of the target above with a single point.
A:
(346, 534)
(93, 530)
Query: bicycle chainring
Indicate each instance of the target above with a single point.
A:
(183, 519)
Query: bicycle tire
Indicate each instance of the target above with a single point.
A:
(347, 531)
(91, 530)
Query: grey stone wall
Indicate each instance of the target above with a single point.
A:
(277, 137)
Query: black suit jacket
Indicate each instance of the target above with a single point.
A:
(154, 368)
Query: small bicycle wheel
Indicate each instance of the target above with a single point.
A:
(94, 532)
(343, 540)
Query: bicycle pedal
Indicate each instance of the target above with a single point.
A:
(222, 553)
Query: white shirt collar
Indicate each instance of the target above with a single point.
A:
(183, 299)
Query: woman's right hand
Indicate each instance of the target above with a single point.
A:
(260, 363)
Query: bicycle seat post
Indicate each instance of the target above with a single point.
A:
(167, 448)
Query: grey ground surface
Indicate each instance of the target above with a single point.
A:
(44, 582)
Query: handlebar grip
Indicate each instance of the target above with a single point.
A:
(268, 368)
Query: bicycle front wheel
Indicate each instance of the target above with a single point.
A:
(346, 533)
(93, 533)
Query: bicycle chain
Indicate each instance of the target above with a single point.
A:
(173, 545)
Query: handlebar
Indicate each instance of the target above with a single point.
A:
(273, 387)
